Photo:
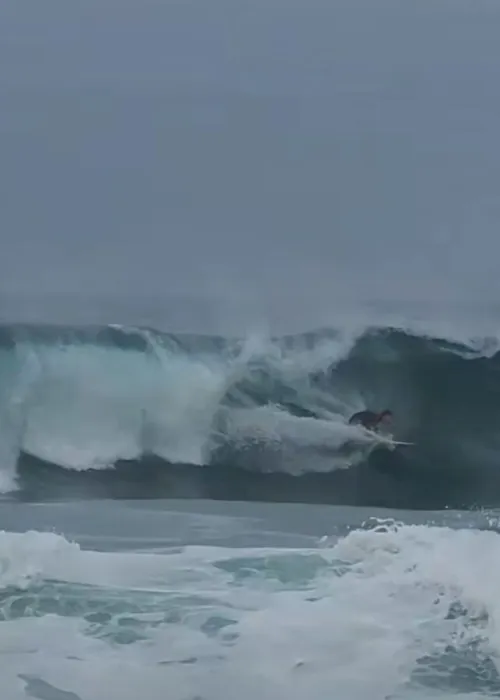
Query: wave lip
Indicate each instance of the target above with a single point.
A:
(256, 411)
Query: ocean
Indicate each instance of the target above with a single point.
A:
(225, 227)
(192, 516)
(123, 412)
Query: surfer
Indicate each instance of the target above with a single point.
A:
(371, 420)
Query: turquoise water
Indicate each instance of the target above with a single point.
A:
(198, 599)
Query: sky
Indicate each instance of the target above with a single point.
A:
(268, 154)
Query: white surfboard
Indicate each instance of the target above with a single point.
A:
(386, 440)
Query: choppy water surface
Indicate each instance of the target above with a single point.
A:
(205, 600)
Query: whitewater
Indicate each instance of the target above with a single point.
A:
(193, 599)
(138, 555)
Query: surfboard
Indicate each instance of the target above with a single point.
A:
(386, 440)
(390, 445)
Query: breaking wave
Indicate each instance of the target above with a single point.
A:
(125, 411)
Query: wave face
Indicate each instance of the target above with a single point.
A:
(125, 412)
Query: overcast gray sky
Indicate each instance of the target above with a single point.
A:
(250, 149)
